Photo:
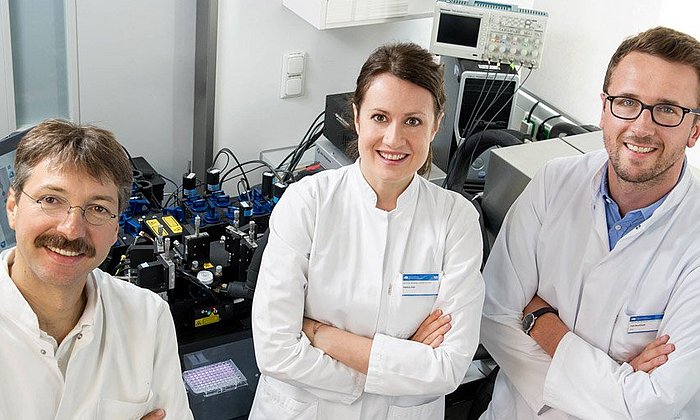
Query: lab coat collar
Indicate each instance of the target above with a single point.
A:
(15, 307)
(407, 197)
(672, 199)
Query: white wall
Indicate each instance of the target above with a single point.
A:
(136, 71)
(253, 36)
(581, 37)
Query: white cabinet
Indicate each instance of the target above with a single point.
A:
(328, 14)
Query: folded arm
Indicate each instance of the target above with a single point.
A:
(282, 351)
(404, 367)
(354, 350)
(656, 384)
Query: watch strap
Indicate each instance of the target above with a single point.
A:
(531, 318)
(546, 310)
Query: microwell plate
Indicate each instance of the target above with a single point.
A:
(215, 378)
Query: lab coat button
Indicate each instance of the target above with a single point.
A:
(43, 352)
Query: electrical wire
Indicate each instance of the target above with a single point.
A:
(294, 162)
(499, 92)
(540, 129)
(451, 165)
(512, 97)
(238, 164)
(304, 140)
(262, 163)
(529, 114)
(194, 280)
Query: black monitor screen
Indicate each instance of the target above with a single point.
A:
(458, 30)
(8, 145)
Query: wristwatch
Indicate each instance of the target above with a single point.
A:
(529, 319)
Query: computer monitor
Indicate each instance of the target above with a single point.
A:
(8, 146)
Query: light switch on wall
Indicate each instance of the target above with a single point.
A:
(293, 69)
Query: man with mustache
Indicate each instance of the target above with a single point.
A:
(76, 342)
(593, 284)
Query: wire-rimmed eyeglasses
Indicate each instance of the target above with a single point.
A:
(56, 206)
(665, 115)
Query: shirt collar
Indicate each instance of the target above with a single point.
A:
(647, 211)
(368, 194)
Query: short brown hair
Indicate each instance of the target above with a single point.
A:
(662, 42)
(72, 146)
(410, 62)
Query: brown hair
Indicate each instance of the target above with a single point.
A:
(410, 62)
(71, 146)
(666, 43)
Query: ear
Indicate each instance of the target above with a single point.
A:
(356, 118)
(438, 122)
(11, 207)
(602, 110)
(694, 131)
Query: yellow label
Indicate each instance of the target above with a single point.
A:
(206, 320)
(154, 224)
(172, 223)
(207, 266)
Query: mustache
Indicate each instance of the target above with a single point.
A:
(641, 141)
(79, 245)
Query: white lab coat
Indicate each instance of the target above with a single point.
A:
(334, 257)
(119, 362)
(554, 243)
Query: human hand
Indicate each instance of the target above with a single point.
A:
(433, 329)
(310, 327)
(157, 414)
(654, 355)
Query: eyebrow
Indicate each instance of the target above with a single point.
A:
(658, 101)
(57, 189)
(408, 114)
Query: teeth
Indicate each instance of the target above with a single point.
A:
(64, 252)
(392, 156)
(638, 149)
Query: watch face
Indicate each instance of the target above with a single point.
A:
(528, 321)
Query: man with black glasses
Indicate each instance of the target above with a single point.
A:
(593, 285)
(76, 342)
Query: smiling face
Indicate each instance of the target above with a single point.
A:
(395, 124)
(60, 251)
(642, 152)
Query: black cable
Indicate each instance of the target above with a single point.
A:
(499, 92)
(512, 97)
(303, 139)
(238, 163)
(133, 164)
(451, 165)
(262, 163)
(529, 114)
(228, 159)
(294, 162)
(194, 280)
(540, 129)
(478, 102)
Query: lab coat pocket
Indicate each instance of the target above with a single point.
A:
(276, 400)
(110, 409)
(409, 307)
(432, 410)
(627, 341)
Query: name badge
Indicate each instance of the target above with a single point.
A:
(644, 323)
(420, 284)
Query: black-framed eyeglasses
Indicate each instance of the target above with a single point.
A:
(56, 206)
(665, 115)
